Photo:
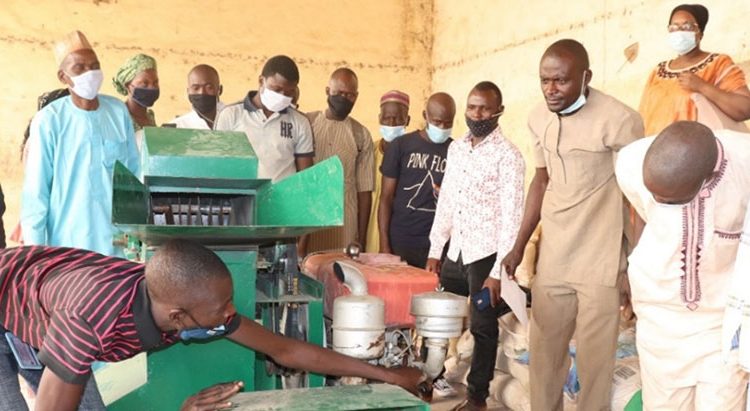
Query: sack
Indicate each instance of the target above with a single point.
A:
(625, 383)
(509, 391)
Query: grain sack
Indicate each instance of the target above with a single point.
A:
(626, 382)
(509, 391)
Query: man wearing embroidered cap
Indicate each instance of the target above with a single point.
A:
(73, 145)
(412, 169)
(393, 118)
(72, 149)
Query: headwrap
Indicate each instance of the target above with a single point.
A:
(395, 96)
(698, 11)
(73, 41)
(134, 66)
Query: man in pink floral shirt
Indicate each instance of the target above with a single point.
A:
(480, 209)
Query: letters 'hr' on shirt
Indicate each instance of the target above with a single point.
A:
(418, 165)
(277, 139)
(480, 204)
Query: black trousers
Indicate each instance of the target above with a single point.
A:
(414, 256)
(467, 279)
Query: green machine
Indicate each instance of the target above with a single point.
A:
(202, 186)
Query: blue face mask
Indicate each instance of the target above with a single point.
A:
(201, 333)
(580, 101)
(390, 133)
(438, 135)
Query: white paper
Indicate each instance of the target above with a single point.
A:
(514, 296)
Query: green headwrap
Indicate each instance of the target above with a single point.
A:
(130, 69)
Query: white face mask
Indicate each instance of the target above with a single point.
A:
(390, 133)
(438, 135)
(273, 100)
(87, 85)
(682, 42)
(580, 101)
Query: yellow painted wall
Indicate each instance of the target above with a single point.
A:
(503, 42)
(419, 46)
(387, 42)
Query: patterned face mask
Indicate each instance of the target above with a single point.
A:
(481, 128)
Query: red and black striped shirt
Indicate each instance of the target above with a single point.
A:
(76, 307)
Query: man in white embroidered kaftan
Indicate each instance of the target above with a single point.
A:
(691, 187)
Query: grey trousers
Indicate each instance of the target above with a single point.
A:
(10, 389)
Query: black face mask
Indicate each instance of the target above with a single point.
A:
(203, 103)
(145, 97)
(340, 106)
(481, 128)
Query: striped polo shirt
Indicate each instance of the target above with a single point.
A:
(76, 307)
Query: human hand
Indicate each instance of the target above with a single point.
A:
(408, 378)
(433, 266)
(690, 82)
(212, 398)
(436, 190)
(511, 261)
(494, 285)
(626, 306)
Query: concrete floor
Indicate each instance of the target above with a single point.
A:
(445, 404)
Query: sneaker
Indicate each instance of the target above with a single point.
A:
(441, 388)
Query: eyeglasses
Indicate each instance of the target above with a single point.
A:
(682, 27)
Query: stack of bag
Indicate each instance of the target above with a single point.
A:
(510, 384)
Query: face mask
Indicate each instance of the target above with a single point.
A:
(274, 101)
(86, 85)
(145, 97)
(391, 133)
(439, 135)
(203, 103)
(681, 41)
(201, 333)
(580, 101)
(340, 106)
(481, 128)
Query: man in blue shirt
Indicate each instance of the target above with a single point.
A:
(73, 146)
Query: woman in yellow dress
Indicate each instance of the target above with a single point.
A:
(696, 85)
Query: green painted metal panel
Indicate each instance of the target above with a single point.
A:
(311, 198)
(214, 235)
(342, 398)
(178, 371)
(173, 152)
(130, 198)
(315, 335)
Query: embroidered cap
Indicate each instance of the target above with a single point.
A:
(395, 96)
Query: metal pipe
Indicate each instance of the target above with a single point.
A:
(351, 277)
(436, 352)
